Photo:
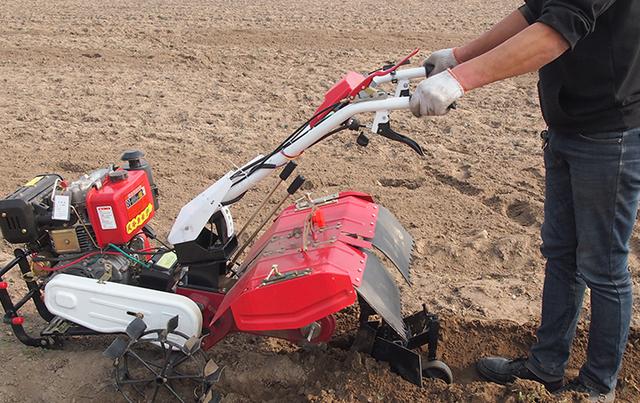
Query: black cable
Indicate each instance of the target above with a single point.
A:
(291, 139)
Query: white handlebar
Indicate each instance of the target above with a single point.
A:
(196, 213)
(406, 74)
(311, 136)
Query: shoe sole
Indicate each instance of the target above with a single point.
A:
(491, 376)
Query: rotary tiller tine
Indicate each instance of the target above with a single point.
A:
(172, 324)
(136, 328)
(212, 372)
(211, 397)
(210, 368)
(191, 345)
(206, 398)
(116, 349)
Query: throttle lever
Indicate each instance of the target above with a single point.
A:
(385, 130)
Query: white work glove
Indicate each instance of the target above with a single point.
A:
(439, 61)
(435, 95)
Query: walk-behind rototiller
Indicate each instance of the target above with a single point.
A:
(90, 267)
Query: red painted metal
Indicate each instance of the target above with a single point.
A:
(329, 266)
(4, 285)
(367, 81)
(17, 321)
(219, 330)
(119, 210)
(337, 93)
(209, 301)
(299, 336)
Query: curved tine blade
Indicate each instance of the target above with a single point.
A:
(394, 241)
(172, 324)
(116, 349)
(211, 397)
(136, 328)
(381, 293)
(207, 398)
(215, 377)
(210, 368)
(191, 345)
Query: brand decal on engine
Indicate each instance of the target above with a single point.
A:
(135, 196)
(140, 219)
(33, 181)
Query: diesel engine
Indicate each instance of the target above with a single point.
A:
(96, 226)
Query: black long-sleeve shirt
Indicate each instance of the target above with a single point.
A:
(595, 85)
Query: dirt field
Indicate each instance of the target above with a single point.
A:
(201, 85)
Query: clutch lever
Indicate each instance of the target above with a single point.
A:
(385, 130)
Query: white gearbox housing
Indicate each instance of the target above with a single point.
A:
(110, 307)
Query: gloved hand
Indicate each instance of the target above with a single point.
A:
(440, 60)
(435, 95)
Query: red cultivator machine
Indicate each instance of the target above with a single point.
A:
(93, 264)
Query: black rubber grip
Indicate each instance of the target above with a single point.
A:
(296, 184)
(288, 169)
(428, 68)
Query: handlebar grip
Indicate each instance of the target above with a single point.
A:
(288, 169)
(428, 68)
(296, 184)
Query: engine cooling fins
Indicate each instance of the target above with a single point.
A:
(380, 292)
(393, 241)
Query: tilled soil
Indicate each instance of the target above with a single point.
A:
(203, 85)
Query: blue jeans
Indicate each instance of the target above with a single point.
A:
(592, 187)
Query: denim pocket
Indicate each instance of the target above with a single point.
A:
(602, 138)
(551, 160)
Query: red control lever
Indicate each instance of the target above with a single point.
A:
(367, 81)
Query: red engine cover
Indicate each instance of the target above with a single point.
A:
(119, 210)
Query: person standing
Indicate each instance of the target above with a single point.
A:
(587, 53)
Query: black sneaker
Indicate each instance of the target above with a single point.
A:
(502, 370)
(594, 395)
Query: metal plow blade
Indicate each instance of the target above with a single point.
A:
(394, 241)
(379, 290)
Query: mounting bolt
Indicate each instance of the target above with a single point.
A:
(4, 215)
(357, 278)
(24, 231)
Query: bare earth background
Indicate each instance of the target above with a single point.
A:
(199, 85)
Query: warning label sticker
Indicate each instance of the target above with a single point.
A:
(107, 219)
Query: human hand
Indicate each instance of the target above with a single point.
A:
(439, 61)
(435, 95)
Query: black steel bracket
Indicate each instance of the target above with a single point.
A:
(383, 343)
